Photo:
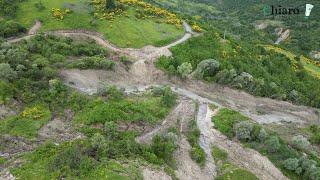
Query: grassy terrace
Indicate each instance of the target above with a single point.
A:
(122, 31)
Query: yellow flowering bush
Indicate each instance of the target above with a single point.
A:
(196, 28)
(59, 14)
(143, 11)
(33, 113)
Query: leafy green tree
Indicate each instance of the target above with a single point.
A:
(205, 68)
(6, 72)
(184, 69)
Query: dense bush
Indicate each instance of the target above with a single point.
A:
(184, 69)
(291, 164)
(207, 68)
(9, 8)
(6, 72)
(244, 131)
(168, 97)
(93, 63)
(273, 144)
(300, 142)
(263, 135)
(10, 28)
(315, 130)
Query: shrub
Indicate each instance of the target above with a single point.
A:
(244, 131)
(163, 149)
(273, 144)
(300, 142)
(198, 155)
(173, 138)
(114, 94)
(6, 90)
(10, 28)
(263, 135)
(291, 164)
(184, 69)
(206, 68)
(169, 97)
(6, 72)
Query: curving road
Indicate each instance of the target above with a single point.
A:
(100, 38)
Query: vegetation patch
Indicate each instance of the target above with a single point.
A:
(225, 120)
(238, 64)
(197, 153)
(99, 157)
(27, 123)
(150, 108)
(311, 66)
(227, 170)
(293, 158)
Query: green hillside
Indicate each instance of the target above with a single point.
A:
(128, 25)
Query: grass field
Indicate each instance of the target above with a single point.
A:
(123, 31)
(147, 110)
(226, 119)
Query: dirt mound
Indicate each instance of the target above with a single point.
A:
(5, 112)
(58, 130)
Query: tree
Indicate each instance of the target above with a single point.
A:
(110, 5)
(291, 164)
(6, 72)
(184, 69)
(209, 67)
(300, 142)
(273, 144)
